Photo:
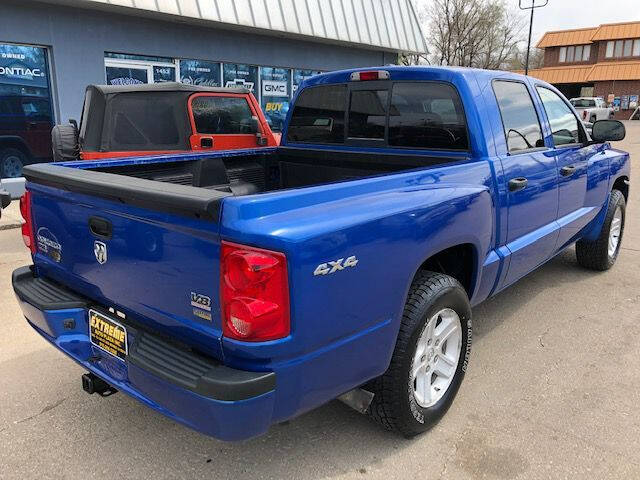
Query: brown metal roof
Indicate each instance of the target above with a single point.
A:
(579, 36)
(615, 71)
(588, 73)
(613, 31)
(569, 74)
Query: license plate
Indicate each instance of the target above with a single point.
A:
(107, 334)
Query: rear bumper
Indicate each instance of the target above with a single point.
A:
(196, 391)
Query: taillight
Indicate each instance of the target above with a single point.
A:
(27, 226)
(369, 75)
(254, 293)
(584, 114)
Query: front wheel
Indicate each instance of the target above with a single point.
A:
(430, 357)
(602, 253)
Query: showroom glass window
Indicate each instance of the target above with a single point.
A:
(25, 97)
(275, 95)
(127, 69)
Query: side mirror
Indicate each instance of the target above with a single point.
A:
(253, 125)
(607, 131)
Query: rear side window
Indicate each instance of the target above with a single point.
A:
(221, 115)
(318, 115)
(144, 121)
(427, 115)
(519, 118)
(583, 103)
(368, 114)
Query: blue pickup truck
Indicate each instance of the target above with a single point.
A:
(234, 290)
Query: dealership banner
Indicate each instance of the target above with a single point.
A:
(200, 72)
(240, 75)
(275, 95)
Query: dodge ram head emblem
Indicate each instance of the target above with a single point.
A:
(100, 250)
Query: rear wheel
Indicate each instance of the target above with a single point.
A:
(430, 357)
(602, 253)
(11, 162)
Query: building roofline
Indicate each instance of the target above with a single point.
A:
(411, 40)
(593, 38)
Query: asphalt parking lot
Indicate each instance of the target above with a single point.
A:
(552, 391)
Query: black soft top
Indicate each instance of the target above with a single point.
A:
(142, 117)
(162, 87)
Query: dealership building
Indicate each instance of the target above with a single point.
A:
(51, 50)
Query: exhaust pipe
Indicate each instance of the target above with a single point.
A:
(93, 384)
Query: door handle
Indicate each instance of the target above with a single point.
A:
(518, 183)
(101, 227)
(567, 171)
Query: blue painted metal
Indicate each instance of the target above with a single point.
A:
(344, 326)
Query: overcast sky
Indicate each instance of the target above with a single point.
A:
(564, 14)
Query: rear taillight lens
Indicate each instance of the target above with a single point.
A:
(584, 114)
(27, 226)
(254, 293)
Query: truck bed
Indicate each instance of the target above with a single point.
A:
(198, 182)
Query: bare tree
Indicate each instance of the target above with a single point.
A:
(517, 61)
(473, 33)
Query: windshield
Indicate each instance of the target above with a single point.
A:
(583, 102)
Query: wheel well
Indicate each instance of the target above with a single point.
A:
(14, 143)
(457, 262)
(622, 185)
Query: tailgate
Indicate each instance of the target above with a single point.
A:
(155, 260)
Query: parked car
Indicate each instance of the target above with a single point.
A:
(5, 200)
(25, 132)
(591, 109)
(139, 120)
(233, 290)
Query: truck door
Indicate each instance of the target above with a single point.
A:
(531, 178)
(573, 157)
(222, 121)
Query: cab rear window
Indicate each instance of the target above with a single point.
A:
(318, 115)
(418, 115)
(427, 115)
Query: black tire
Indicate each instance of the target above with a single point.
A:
(11, 162)
(595, 255)
(394, 405)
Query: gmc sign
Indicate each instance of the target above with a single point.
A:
(274, 88)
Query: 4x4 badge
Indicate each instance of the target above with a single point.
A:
(100, 250)
(335, 266)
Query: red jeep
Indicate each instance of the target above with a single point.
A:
(132, 120)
